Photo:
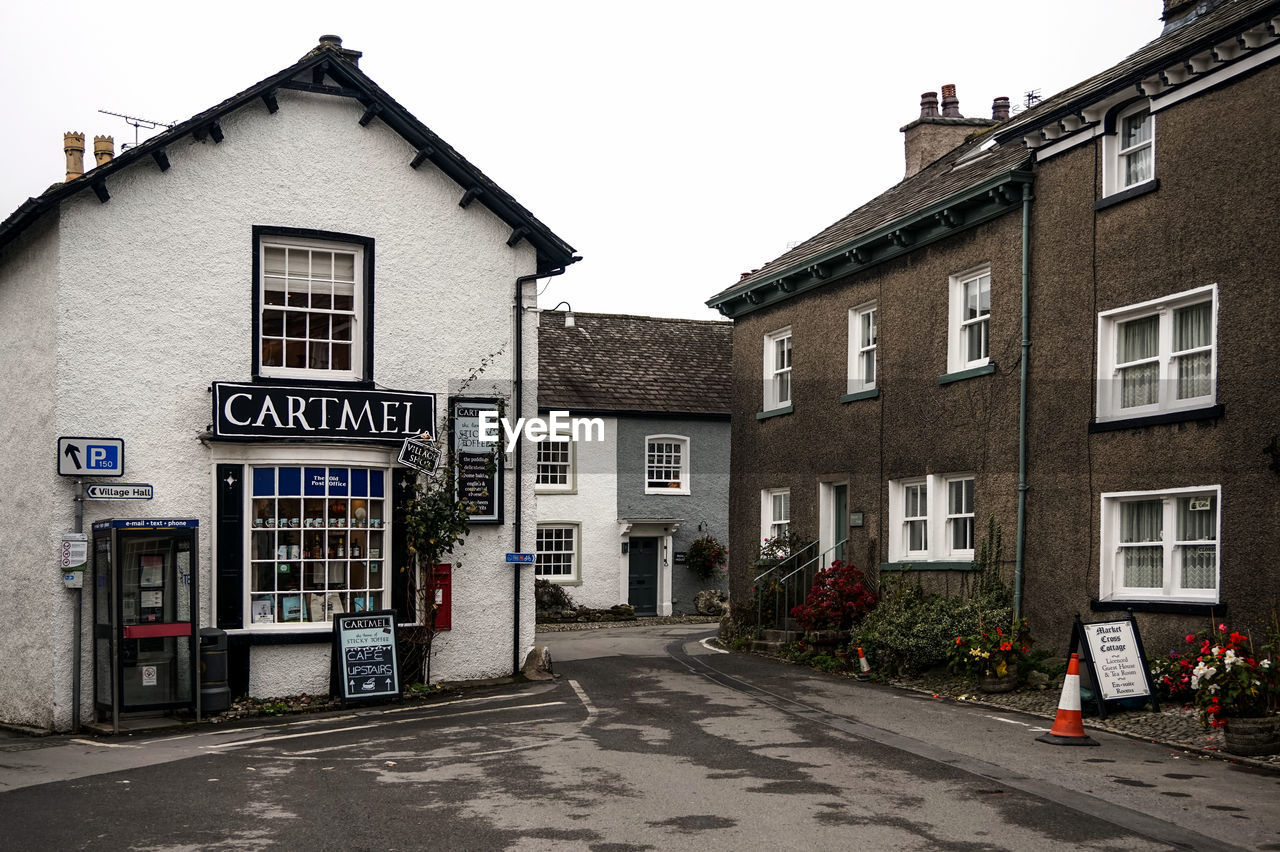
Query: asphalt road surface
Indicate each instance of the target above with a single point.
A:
(648, 739)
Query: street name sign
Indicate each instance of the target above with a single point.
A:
(521, 558)
(120, 491)
(91, 457)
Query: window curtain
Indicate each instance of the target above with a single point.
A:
(1192, 330)
(1142, 522)
(1137, 164)
(1139, 384)
(1199, 561)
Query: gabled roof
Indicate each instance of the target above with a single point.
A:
(331, 70)
(615, 363)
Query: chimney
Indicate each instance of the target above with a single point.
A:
(104, 148)
(1179, 13)
(1000, 109)
(950, 103)
(334, 43)
(932, 135)
(73, 147)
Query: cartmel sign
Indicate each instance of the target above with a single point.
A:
(364, 654)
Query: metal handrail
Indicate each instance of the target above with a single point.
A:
(805, 584)
(755, 583)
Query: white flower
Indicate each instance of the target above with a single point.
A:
(1213, 688)
(1216, 650)
(1230, 659)
(1202, 672)
(1265, 664)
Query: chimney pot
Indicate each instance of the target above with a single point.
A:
(73, 147)
(950, 103)
(104, 149)
(929, 105)
(1000, 109)
(334, 40)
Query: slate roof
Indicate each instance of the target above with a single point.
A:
(332, 70)
(954, 174)
(1167, 50)
(935, 183)
(632, 364)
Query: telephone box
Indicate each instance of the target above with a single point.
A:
(145, 630)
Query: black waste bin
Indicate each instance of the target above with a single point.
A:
(215, 695)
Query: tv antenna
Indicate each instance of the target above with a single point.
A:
(1031, 98)
(135, 123)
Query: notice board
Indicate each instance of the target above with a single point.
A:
(1116, 661)
(364, 655)
(479, 463)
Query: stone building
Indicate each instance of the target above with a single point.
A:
(1062, 319)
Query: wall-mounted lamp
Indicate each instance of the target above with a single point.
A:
(568, 316)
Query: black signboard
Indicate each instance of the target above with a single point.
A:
(364, 655)
(479, 469)
(295, 412)
(1112, 654)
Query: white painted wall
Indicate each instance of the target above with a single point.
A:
(593, 505)
(148, 298)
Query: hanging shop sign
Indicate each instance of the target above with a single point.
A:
(419, 453)
(364, 655)
(292, 412)
(479, 473)
(1114, 658)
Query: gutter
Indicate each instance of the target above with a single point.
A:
(518, 400)
(1022, 400)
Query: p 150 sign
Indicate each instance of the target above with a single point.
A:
(320, 413)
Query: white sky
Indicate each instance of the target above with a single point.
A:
(673, 144)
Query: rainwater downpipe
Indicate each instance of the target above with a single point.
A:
(1022, 400)
(518, 401)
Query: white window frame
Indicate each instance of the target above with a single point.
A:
(575, 552)
(358, 319)
(937, 520)
(1110, 563)
(329, 532)
(1115, 158)
(681, 484)
(774, 397)
(959, 325)
(1109, 383)
(862, 348)
(770, 525)
(568, 464)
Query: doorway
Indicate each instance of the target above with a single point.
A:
(642, 575)
(833, 520)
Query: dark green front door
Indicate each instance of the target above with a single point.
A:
(642, 583)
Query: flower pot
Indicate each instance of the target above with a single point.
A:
(1252, 735)
(992, 684)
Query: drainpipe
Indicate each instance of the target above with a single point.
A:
(1022, 399)
(517, 399)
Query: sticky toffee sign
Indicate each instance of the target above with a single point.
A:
(291, 412)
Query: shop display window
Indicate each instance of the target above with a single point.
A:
(317, 543)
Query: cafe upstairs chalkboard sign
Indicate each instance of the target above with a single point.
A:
(364, 654)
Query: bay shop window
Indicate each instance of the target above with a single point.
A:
(318, 542)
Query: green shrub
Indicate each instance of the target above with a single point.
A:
(549, 596)
(911, 631)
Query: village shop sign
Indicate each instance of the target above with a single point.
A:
(289, 412)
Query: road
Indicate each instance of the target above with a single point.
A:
(648, 739)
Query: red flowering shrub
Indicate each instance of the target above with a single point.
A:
(839, 598)
(1229, 677)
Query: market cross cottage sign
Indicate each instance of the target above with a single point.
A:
(290, 412)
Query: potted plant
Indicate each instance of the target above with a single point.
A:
(706, 556)
(993, 656)
(1237, 688)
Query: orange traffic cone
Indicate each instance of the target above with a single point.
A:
(1068, 727)
(864, 667)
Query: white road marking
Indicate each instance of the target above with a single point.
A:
(586, 702)
(103, 745)
(704, 644)
(1008, 721)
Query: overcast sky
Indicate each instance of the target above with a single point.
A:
(673, 144)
